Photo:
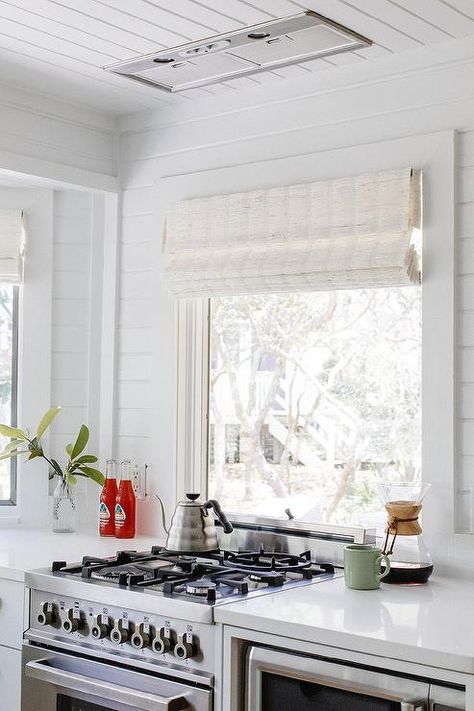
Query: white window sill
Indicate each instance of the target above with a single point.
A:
(9, 515)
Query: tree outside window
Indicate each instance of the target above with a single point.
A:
(314, 397)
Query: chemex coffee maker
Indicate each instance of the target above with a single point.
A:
(410, 561)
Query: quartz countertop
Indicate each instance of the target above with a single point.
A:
(431, 624)
(24, 549)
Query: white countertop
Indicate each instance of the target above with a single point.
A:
(24, 549)
(431, 624)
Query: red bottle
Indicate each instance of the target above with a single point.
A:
(107, 501)
(125, 504)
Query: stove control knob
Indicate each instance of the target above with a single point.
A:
(185, 647)
(120, 632)
(46, 614)
(141, 637)
(70, 622)
(162, 642)
(101, 627)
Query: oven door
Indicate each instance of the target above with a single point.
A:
(53, 681)
(280, 681)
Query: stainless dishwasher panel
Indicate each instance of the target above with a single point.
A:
(445, 699)
(55, 681)
(353, 684)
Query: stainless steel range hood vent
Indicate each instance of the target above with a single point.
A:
(269, 45)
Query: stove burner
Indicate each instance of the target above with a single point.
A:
(271, 578)
(268, 562)
(121, 574)
(112, 573)
(200, 587)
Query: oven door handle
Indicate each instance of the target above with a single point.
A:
(42, 671)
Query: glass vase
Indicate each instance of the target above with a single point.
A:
(64, 508)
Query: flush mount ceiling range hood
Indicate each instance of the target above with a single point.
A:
(261, 47)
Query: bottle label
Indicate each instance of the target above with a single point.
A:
(104, 513)
(119, 515)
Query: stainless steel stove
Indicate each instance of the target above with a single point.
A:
(137, 630)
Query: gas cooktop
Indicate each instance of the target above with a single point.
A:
(154, 610)
(209, 578)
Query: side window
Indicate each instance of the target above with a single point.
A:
(8, 383)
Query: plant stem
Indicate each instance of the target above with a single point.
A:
(43, 455)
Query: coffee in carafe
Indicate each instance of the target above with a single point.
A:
(410, 561)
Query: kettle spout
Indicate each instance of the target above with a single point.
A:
(163, 515)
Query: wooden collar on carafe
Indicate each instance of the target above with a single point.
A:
(402, 520)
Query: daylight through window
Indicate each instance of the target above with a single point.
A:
(314, 397)
(8, 383)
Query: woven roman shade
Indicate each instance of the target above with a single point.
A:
(12, 243)
(347, 233)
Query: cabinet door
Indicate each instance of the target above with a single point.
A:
(10, 679)
(11, 613)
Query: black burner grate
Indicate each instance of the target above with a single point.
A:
(226, 572)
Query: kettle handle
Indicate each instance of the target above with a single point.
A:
(163, 516)
(220, 515)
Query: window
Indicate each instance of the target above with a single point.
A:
(447, 510)
(8, 383)
(313, 398)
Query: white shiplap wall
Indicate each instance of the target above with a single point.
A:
(425, 93)
(74, 335)
(70, 311)
(45, 138)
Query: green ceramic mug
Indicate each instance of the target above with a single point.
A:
(363, 567)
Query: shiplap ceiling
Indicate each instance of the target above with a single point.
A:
(58, 47)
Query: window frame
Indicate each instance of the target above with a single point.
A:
(435, 155)
(12, 501)
(192, 318)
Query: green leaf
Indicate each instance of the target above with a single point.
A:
(13, 432)
(86, 459)
(81, 441)
(35, 449)
(57, 468)
(13, 453)
(69, 449)
(93, 474)
(33, 454)
(35, 446)
(14, 444)
(46, 420)
(70, 478)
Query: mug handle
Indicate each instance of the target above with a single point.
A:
(386, 560)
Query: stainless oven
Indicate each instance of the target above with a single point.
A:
(54, 681)
(284, 681)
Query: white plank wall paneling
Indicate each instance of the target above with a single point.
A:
(34, 126)
(300, 124)
(74, 336)
(377, 108)
(465, 333)
(135, 334)
(71, 312)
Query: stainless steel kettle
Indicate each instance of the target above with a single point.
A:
(193, 527)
